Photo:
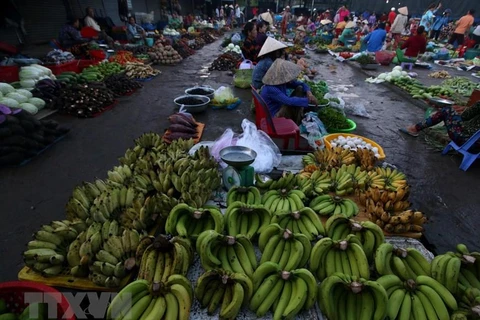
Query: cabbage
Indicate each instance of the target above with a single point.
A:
(6, 88)
(45, 70)
(397, 68)
(396, 73)
(17, 96)
(25, 93)
(9, 102)
(27, 83)
(404, 73)
(382, 76)
(30, 108)
(388, 78)
(37, 102)
(231, 46)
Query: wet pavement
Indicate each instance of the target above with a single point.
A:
(36, 193)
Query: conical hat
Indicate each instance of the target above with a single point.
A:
(403, 10)
(349, 25)
(281, 72)
(301, 28)
(325, 21)
(266, 16)
(271, 45)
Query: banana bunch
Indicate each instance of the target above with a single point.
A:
(230, 253)
(342, 180)
(305, 185)
(374, 180)
(135, 301)
(225, 290)
(346, 256)
(326, 205)
(342, 297)
(321, 182)
(392, 200)
(304, 221)
(247, 220)
(393, 179)
(288, 200)
(365, 158)
(468, 305)
(247, 195)
(418, 298)
(164, 257)
(120, 176)
(400, 222)
(404, 263)
(286, 181)
(470, 269)
(329, 158)
(371, 236)
(285, 293)
(48, 250)
(151, 140)
(283, 247)
(78, 206)
(186, 221)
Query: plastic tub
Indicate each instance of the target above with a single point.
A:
(9, 73)
(13, 293)
(193, 108)
(353, 126)
(149, 41)
(64, 67)
(332, 136)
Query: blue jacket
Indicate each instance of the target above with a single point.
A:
(440, 22)
(260, 69)
(276, 96)
(375, 39)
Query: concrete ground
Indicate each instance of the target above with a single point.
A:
(36, 193)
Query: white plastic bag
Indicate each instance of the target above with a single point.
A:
(225, 140)
(236, 38)
(268, 154)
(357, 109)
(340, 106)
(223, 94)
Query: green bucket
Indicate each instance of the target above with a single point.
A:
(471, 54)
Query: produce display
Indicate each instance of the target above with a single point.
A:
(164, 54)
(120, 84)
(233, 48)
(248, 220)
(84, 101)
(188, 222)
(461, 85)
(365, 59)
(20, 98)
(183, 49)
(318, 89)
(225, 62)
(48, 90)
(122, 57)
(29, 75)
(353, 143)
(333, 118)
(182, 126)
(247, 195)
(99, 71)
(135, 70)
(22, 136)
(442, 74)
(404, 263)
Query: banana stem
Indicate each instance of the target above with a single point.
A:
(197, 214)
(476, 310)
(296, 215)
(287, 234)
(230, 240)
(355, 227)
(410, 285)
(402, 253)
(356, 287)
(225, 279)
(468, 259)
(343, 245)
(285, 275)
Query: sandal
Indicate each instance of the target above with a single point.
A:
(412, 134)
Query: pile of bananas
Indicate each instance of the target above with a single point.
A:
(186, 221)
(371, 236)
(247, 195)
(162, 257)
(326, 205)
(468, 306)
(304, 221)
(283, 200)
(393, 178)
(342, 297)
(227, 290)
(283, 247)
(404, 263)
(418, 298)
(346, 256)
(230, 253)
(136, 301)
(457, 271)
(287, 181)
(285, 293)
(328, 158)
(389, 200)
(247, 220)
(397, 222)
(365, 158)
(346, 178)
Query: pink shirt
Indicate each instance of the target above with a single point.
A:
(343, 13)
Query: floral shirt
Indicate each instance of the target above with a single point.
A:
(471, 119)
(250, 49)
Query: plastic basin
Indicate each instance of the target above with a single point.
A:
(352, 127)
(196, 108)
(328, 138)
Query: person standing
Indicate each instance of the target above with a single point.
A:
(462, 27)
(399, 25)
(375, 39)
(217, 13)
(429, 16)
(343, 12)
(238, 14)
(222, 13)
(372, 19)
(439, 23)
(286, 16)
(391, 16)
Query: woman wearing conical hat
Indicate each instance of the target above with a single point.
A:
(271, 50)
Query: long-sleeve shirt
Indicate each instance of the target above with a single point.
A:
(250, 49)
(261, 38)
(276, 96)
(415, 44)
(133, 30)
(343, 13)
(440, 22)
(399, 24)
(346, 35)
(90, 22)
(471, 119)
(372, 19)
(260, 70)
(69, 36)
(391, 17)
(375, 40)
(427, 20)
(464, 24)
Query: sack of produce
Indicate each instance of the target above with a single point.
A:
(243, 78)
(384, 57)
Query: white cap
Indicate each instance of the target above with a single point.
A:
(393, 9)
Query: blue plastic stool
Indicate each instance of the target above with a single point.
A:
(468, 158)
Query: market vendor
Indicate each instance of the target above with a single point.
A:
(300, 34)
(460, 127)
(327, 25)
(69, 34)
(271, 51)
(280, 77)
(249, 48)
(262, 27)
(416, 44)
(134, 30)
(89, 21)
(375, 39)
(348, 33)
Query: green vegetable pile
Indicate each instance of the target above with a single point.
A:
(461, 85)
(333, 119)
(366, 59)
(319, 89)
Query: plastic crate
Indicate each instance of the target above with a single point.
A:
(9, 73)
(82, 64)
(13, 293)
(64, 67)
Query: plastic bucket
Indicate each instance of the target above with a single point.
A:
(149, 42)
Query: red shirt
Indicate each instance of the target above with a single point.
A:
(415, 44)
(391, 17)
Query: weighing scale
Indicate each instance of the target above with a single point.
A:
(239, 172)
